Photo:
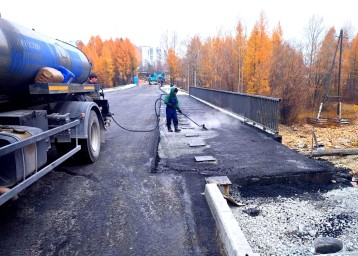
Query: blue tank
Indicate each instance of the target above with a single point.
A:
(23, 52)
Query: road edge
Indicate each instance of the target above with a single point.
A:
(231, 235)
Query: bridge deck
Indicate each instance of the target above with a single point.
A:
(241, 152)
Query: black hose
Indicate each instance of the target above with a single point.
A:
(150, 130)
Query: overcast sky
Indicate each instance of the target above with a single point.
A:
(145, 21)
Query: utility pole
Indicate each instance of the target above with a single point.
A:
(188, 73)
(339, 107)
(196, 59)
(195, 77)
(329, 78)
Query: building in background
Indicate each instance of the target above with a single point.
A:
(153, 58)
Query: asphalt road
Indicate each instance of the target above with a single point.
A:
(115, 206)
(241, 152)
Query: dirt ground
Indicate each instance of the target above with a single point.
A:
(300, 138)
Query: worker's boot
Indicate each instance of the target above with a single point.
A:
(170, 129)
(177, 129)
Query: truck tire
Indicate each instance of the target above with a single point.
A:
(91, 147)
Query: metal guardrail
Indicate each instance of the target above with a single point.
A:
(252, 108)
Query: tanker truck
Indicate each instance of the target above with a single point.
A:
(44, 112)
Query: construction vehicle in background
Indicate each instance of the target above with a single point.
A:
(156, 78)
(44, 104)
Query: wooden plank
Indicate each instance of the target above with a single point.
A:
(330, 152)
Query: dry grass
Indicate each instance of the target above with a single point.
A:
(349, 111)
(300, 137)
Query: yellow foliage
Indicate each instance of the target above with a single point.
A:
(257, 60)
(112, 60)
(173, 63)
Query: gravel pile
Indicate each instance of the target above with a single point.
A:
(286, 219)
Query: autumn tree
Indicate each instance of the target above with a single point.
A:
(277, 59)
(208, 64)
(124, 57)
(192, 56)
(257, 59)
(312, 44)
(215, 52)
(326, 67)
(265, 64)
(80, 45)
(288, 83)
(114, 61)
(345, 66)
(226, 64)
(352, 79)
(96, 44)
(239, 55)
(205, 67)
(312, 39)
(105, 67)
(173, 64)
(91, 52)
(169, 40)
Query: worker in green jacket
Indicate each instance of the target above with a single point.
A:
(172, 103)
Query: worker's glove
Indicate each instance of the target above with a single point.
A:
(179, 110)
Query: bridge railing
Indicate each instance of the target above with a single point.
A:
(261, 111)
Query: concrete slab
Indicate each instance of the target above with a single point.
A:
(204, 158)
(192, 135)
(197, 144)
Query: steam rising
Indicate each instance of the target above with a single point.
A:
(214, 120)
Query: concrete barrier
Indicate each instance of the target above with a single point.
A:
(231, 235)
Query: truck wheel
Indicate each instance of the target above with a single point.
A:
(91, 147)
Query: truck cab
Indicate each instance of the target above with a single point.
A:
(156, 78)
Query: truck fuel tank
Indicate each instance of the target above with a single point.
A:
(19, 164)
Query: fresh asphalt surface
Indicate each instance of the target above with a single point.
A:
(122, 205)
(115, 206)
(242, 152)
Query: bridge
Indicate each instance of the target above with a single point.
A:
(235, 146)
(145, 198)
(239, 147)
